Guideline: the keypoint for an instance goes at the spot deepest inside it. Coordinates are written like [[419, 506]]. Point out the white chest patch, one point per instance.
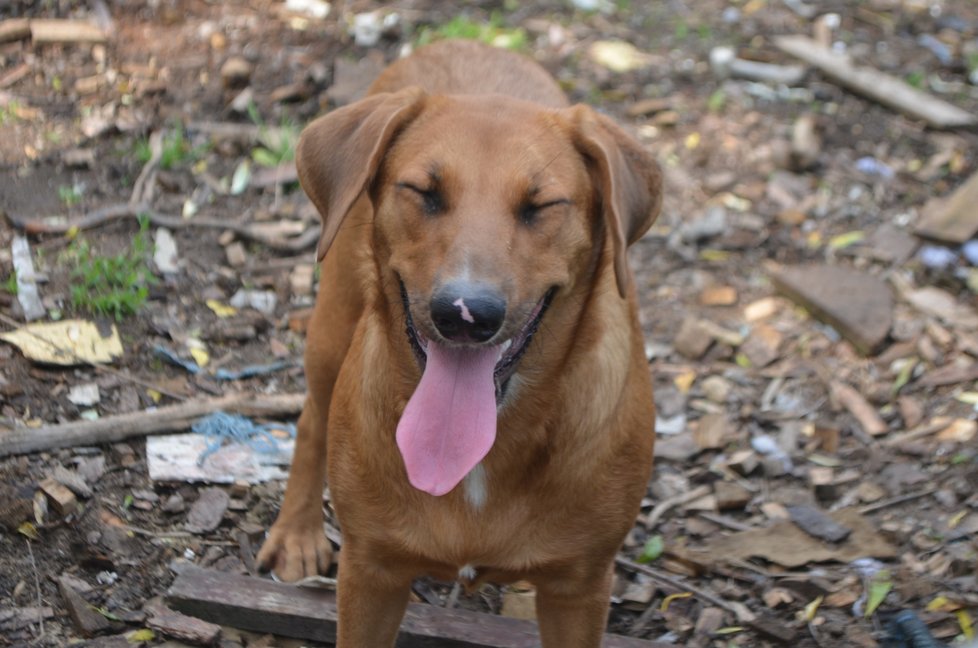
[[476, 487]]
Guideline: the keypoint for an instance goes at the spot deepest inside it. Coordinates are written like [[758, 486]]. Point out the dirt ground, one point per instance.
[[767, 411]]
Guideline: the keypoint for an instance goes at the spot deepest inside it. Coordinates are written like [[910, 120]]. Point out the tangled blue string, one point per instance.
[[221, 427]]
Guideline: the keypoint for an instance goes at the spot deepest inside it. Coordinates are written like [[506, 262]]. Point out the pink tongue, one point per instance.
[[449, 424]]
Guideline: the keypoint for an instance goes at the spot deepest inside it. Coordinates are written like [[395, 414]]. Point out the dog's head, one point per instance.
[[486, 208]]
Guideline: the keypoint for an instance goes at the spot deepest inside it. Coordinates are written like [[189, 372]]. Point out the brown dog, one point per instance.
[[474, 353]]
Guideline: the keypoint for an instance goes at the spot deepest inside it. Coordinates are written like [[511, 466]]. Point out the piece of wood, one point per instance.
[[14, 29], [64, 500], [952, 219], [731, 495], [264, 606], [880, 87], [172, 418], [858, 305], [183, 627], [45, 32], [867, 416]]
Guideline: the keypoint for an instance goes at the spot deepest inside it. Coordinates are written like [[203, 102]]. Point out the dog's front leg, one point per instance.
[[296, 545], [572, 609], [371, 599]]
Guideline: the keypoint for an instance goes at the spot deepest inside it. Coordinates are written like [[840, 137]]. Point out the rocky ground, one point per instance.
[[808, 296]]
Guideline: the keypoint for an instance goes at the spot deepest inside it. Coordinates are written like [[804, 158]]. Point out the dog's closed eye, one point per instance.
[[529, 211], [431, 199]]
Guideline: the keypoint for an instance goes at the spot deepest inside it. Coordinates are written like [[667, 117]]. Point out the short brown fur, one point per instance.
[[574, 441]]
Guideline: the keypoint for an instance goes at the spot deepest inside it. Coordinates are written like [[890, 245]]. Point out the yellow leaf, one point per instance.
[[814, 239], [812, 608], [955, 519], [845, 240], [221, 310], [967, 627], [684, 381], [672, 597], [141, 636], [66, 343], [714, 255], [968, 398], [154, 395], [693, 140], [729, 630], [28, 530], [942, 604], [200, 356]]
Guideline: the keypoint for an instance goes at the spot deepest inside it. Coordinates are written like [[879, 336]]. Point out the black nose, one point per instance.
[[464, 312]]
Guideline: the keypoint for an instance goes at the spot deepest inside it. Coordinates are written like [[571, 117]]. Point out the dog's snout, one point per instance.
[[467, 312]]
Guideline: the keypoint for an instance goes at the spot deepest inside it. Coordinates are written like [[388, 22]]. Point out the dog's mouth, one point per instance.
[[512, 349], [449, 424]]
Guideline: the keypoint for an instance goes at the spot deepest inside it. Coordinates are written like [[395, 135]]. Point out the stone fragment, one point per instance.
[[208, 511], [85, 619], [693, 339], [858, 305]]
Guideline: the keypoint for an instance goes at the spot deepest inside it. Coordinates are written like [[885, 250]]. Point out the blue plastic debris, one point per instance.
[[873, 167], [906, 630], [222, 374], [937, 257], [221, 427], [937, 48], [970, 251]]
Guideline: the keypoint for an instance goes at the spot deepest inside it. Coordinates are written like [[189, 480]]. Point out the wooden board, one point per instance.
[[265, 606], [953, 219], [887, 90], [65, 31]]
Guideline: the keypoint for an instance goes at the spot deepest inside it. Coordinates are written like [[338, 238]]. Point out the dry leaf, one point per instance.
[[66, 343]]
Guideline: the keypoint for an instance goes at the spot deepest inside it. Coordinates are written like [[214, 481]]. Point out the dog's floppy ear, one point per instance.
[[630, 181], [338, 154]]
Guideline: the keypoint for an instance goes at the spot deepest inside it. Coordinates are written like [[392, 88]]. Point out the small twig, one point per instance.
[[157, 534], [665, 506], [142, 189], [452, 599], [111, 212], [894, 501], [125, 375], [724, 521], [37, 585], [916, 433], [678, 583]]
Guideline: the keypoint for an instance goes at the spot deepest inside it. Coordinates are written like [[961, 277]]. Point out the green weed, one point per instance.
[[9, 284], [111, 285], [277, 144], [9, 112], [71, 195], [916, 79], [177, 149], [492, 32]]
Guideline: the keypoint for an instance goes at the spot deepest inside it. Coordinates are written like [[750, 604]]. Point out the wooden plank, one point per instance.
[[14, 29], [126, 426], [45, 32], [265, 606], [887, 90], [953, 219]]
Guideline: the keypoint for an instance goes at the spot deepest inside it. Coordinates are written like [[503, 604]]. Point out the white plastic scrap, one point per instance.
[[312, 8], [768, 446], [27, 294]]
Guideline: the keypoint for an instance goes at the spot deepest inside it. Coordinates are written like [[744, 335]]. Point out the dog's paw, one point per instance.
[[291, 552]]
